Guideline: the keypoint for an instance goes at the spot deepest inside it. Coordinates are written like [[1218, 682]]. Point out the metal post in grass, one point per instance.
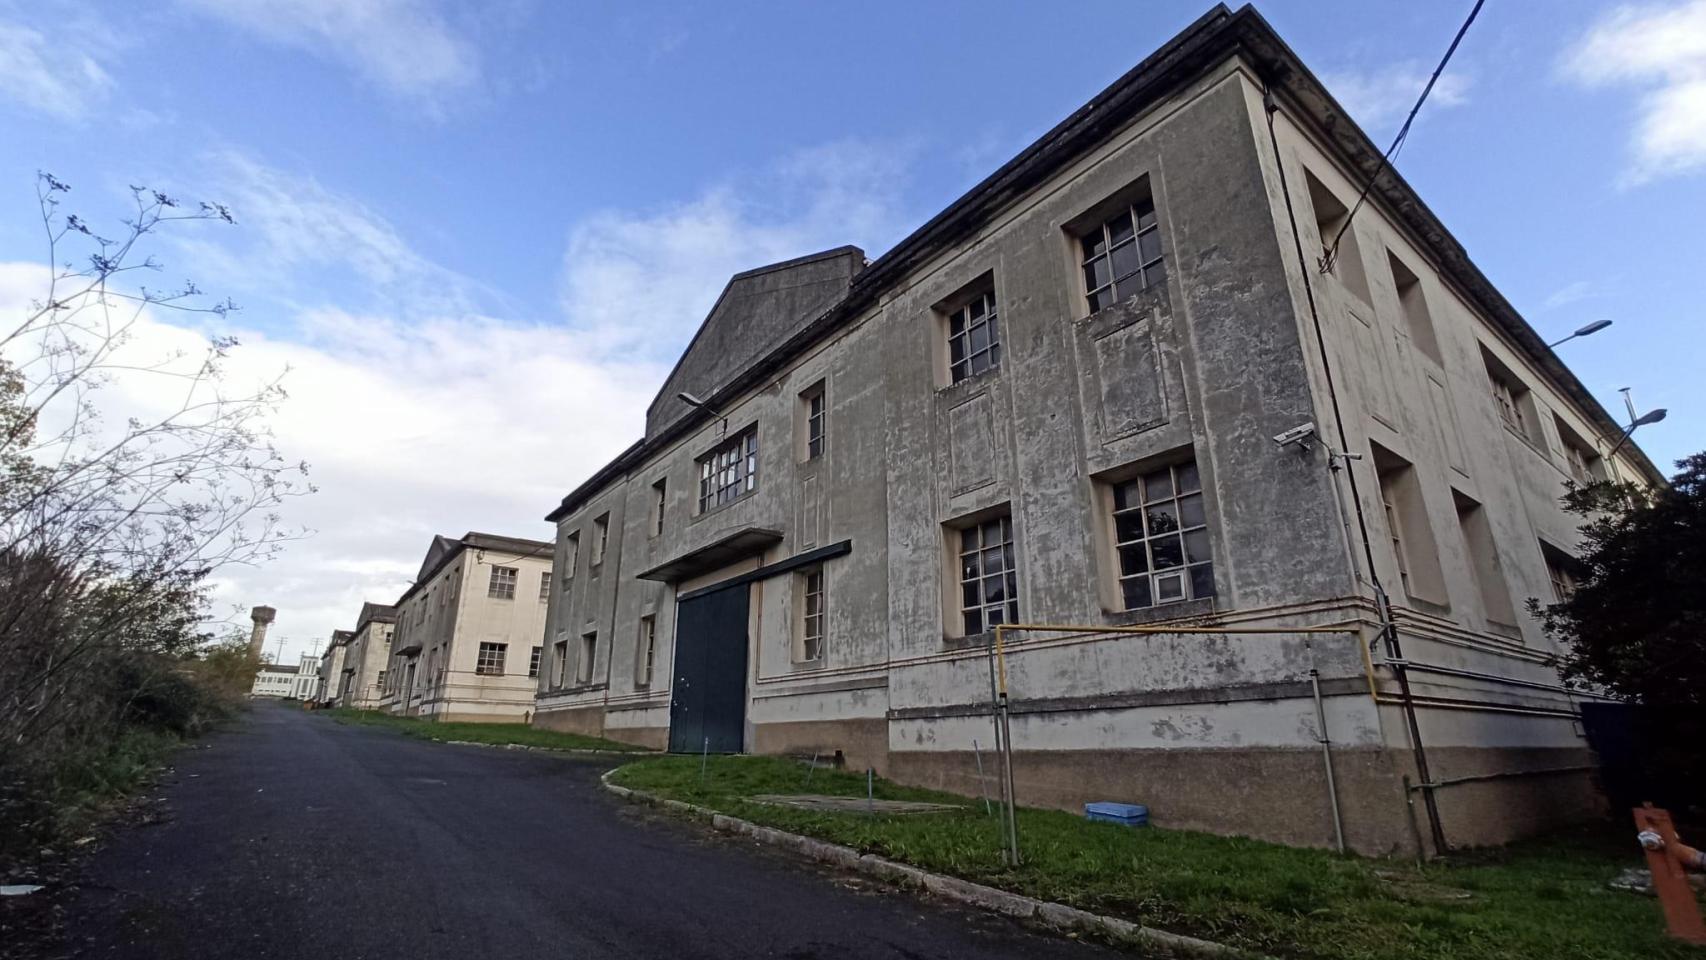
[[982, 783], [1007, 788], [870, 790], [704, 758], [811, 769]]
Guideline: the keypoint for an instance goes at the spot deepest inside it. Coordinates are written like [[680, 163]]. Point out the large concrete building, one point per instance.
[[1061, 401], [468, 633], [329, 668], [365, 658]]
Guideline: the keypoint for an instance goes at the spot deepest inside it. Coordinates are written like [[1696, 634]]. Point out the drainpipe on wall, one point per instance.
[[1388, 630]]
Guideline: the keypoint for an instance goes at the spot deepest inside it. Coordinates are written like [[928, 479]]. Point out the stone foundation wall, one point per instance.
[[863, 742], [586, 721]]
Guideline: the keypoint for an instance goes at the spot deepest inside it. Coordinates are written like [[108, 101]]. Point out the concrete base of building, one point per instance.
[[1482, 804], [1281, 795], [861, 743], [585, 721]]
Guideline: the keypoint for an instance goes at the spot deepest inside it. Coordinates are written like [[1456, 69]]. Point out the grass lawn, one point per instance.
[[1541, 899], [494, 733]]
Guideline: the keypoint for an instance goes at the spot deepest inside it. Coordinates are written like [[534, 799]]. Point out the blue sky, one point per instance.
[[479, 234]]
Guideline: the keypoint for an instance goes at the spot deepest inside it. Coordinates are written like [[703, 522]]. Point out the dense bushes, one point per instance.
[[97, 681]]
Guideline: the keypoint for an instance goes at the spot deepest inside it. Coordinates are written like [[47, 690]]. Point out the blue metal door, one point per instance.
[[707, 709]]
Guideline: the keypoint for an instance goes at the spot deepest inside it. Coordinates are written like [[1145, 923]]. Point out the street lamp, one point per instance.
[[1588, 330], [699, 404], [1651, 416]]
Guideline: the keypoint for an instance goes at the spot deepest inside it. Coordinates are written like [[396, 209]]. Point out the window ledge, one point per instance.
[[578, 688], [961, 389], [807, 666], [1161, 612], [1140, 306], [719, 508]]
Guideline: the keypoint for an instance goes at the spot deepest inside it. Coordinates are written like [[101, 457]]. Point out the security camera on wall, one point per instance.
[[1302, 435]]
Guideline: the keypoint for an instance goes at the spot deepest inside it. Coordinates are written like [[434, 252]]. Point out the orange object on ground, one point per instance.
[[1670, 881]]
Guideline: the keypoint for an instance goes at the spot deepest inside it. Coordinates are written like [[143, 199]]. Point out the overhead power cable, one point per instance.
[[1332, 253]]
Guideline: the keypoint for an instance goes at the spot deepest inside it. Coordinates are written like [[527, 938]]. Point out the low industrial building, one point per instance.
[[276, 680], [1119, 390], [469, 632]]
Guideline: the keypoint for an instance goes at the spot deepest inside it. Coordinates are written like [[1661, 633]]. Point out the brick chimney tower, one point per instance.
[[262, 616]]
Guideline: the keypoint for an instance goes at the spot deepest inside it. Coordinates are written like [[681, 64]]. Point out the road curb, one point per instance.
[[1056, 916]]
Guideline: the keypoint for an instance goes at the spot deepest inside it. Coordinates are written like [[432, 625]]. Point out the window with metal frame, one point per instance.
[[812, 616], [544, 586], [1162, 539], [974, 338], [589, 653], [989, 586], [814, 410], [660, 498], [559, 663], [600, 538], [647, 658], [533, 661], [1122, 255], [502, 583], [491, 659], [730, 471]]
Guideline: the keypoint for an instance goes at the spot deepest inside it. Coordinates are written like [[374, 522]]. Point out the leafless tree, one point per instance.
[[129, 472]]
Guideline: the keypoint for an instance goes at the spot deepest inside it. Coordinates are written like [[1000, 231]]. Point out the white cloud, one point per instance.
[[1659, 50], [1382, 96], [405, 47], [1568, 294], [633, 278], [420, 414], [59, 76]]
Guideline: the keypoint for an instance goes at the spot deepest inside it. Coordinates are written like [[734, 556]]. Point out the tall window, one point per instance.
[[1122, 256], [1331, 217], [1161, 536], [533, 661], [380, 680], [559, 663], [600, 538], [812, 408], [812, 613], [660, 497], [502, 584], [1510, 396], [1410, 528], [1584, 465], [989, 587], [974, 338], [1484, 561], [544, 586], [571, 555], [589, 651], [491, 659], [730, 471], [648, 652], [1561, 571], [1417, 318]]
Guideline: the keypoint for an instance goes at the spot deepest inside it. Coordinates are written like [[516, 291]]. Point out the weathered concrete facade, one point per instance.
[[329, 669], [467, 633], [831, 484], [363, 678]]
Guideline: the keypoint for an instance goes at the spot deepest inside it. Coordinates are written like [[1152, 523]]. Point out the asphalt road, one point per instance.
[[294, 836]]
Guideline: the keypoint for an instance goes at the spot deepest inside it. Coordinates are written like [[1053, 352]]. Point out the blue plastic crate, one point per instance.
[[1125, 814]]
